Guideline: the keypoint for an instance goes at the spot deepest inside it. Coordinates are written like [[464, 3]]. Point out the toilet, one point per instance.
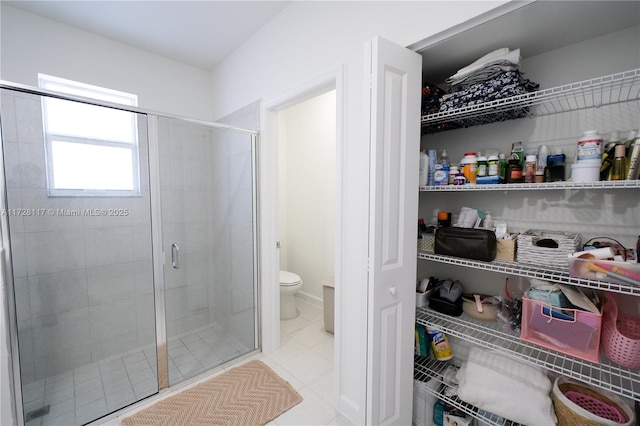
[[290, 283]]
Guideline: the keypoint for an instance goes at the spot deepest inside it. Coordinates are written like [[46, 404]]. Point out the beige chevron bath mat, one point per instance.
[[251, 394]]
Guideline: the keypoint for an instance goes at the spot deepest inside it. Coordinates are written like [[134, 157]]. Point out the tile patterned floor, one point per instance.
[[305, 360], [74, 397]]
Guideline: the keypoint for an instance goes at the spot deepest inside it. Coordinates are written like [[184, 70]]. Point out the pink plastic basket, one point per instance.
[[570, 331], [595, 406], [620, 337]]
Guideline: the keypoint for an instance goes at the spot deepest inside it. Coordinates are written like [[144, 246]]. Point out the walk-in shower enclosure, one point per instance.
[[129, 252]]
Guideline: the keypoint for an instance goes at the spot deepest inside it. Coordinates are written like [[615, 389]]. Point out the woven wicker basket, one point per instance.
[[531, 250], [594, 407], [426, 243]]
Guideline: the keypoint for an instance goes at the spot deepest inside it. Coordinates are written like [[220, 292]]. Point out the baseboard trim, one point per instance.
[[310, 298]]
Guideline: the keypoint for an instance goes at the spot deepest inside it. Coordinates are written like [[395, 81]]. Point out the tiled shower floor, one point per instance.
[[108, 385]]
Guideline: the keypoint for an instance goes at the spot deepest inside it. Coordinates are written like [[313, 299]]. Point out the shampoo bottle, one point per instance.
[[541, 164], [619, 164]]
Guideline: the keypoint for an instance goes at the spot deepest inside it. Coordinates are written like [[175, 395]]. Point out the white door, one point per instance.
[[394, 158]]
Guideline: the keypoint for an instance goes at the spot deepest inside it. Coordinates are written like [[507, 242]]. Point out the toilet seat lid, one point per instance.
[[289, 278]]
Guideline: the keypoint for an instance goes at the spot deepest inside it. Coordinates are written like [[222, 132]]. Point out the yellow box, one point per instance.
[[506, 249]]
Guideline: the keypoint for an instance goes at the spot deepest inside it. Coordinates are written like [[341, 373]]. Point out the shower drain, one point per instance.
[[42, 411]]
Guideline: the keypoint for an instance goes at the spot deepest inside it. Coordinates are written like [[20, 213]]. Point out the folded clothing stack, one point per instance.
[[494, 76], [504, 85], [485, 68]]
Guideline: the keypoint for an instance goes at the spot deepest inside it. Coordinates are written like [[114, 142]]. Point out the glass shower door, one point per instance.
[[208, 228], [78, 224]]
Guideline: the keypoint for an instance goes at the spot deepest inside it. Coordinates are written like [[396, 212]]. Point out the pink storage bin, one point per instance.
[[570, 331], [620, 335]]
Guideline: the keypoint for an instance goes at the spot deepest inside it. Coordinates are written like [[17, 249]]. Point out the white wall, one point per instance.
[[308, 38], [305, 41], [307, 164], [31, 44]]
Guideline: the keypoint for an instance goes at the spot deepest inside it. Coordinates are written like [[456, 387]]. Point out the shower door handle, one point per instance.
[[175, 256]]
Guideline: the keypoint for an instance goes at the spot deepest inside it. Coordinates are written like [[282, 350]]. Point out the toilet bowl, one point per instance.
[[290, 283]]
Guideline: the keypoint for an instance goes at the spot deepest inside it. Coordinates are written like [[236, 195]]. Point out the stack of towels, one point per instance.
[[494, 76]]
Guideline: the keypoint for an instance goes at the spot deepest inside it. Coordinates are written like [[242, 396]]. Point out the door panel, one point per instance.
[[81, 267], [394, 145], [208, 235]]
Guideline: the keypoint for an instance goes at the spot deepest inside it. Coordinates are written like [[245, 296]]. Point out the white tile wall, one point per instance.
[[76, 278]]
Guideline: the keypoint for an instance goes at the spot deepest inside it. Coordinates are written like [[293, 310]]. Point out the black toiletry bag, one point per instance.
[[470, 243]]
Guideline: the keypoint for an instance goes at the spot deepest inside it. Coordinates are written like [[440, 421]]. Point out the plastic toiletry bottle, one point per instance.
[[444, 158], [619, 165], [530, 169], [555, 167], [433, 159], [608, 154], [541, 163], [628, 142], [589, 146], [488, 220], [424, 168], [517, 152], [513, 173], [441, 174], [634, 159], [453, 171], [470, 169], [493, 165], [502, 167], [459, 179], [483, 166]]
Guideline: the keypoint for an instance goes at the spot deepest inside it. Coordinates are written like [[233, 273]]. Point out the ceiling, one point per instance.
[[199, 33], [535, 28], [202, 33]]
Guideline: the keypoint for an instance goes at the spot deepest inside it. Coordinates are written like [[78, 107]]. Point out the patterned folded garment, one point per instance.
[[505, 85], [480, 76]]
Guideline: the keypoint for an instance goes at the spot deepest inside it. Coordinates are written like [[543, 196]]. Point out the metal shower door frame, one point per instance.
[[6, 265]]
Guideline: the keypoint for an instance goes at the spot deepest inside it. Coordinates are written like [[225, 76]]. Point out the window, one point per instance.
[[91, 150]]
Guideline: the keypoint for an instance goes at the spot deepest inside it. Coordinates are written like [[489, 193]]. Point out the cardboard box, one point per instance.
[[506, 249]]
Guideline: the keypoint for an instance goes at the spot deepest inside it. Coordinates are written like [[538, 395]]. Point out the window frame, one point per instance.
[[73, 88]]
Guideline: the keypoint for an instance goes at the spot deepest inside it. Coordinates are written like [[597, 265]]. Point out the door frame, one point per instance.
[[269, 227]]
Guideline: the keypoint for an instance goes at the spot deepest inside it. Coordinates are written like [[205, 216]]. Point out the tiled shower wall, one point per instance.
[[83, 284]]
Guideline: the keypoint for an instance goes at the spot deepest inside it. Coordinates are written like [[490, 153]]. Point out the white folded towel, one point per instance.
[[498, 56], [506, 388]]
